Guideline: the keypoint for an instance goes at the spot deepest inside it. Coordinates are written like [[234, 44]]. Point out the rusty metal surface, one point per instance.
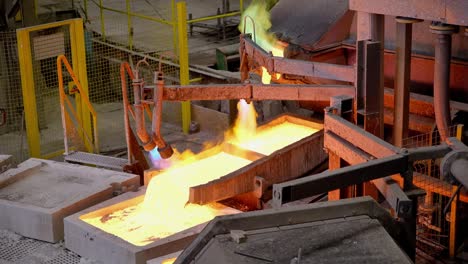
[[448, 11], [422, 105], [255, 92], [300, 92], [308, 25], [402, 83], [373, 112], [347, 151], [314, 69], [284, 164], [297, 67], [207, 92], [416, 122], [358, 137]]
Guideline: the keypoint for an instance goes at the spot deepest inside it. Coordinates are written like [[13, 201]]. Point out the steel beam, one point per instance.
[[300, 92], [314, 69], [334, 162], [358, 137], [387, 186], [425, 153], [207, 92], [296, 67], [336, 179], [348, 152], [372, 89], [255, 92], [422, 105]]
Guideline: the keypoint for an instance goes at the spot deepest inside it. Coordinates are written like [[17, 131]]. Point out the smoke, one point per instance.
[[259, 12]]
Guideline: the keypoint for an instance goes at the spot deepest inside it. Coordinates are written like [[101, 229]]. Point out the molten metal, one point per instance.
[[164, 210]]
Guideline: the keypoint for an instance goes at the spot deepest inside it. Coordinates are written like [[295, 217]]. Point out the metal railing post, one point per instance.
[[101, 15], [174, 26], [85, 6], [183, 60], [129, 24]]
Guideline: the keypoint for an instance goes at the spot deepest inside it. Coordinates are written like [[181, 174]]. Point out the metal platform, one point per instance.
[[346, 231], [97, 160]]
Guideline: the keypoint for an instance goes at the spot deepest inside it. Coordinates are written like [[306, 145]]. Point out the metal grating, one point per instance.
[[15, 251], [65, 259]]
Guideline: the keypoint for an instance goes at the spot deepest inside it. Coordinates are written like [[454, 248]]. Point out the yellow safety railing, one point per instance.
[[91, 139]]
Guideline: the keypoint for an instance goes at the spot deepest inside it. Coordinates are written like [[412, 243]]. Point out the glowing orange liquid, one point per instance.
[[164, 211], [269, 140]]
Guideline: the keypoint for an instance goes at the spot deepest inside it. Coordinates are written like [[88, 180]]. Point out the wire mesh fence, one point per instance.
[[113, 36], [433, 227], [115, 31], [12, 127]]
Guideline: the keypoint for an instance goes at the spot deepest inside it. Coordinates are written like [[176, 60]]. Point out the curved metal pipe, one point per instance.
[[164, 149], [137, 84], [126, 67], [442, 55]]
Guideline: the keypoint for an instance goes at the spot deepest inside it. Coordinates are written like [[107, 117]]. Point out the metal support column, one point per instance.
[[404, 30], [370, 84], [443, 47], [183, 61], [334, 162]]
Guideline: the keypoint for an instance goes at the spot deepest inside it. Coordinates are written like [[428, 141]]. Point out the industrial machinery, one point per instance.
[[358, 107], [354, 123]]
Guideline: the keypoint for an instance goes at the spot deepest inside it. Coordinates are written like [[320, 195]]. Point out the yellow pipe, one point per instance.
[[129, 25], [196, 79], [183, 61], [201, 19], [85, 3], [49, 25], [174, 25], [101, 15]]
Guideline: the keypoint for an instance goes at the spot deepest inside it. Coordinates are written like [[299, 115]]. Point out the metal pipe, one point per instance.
[[402, 79], [142, 134], [126, 67], [164, 149], [442, 50]]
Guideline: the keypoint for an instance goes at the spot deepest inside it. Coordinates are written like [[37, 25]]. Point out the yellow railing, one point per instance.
[[91, 139], [178, 22]]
